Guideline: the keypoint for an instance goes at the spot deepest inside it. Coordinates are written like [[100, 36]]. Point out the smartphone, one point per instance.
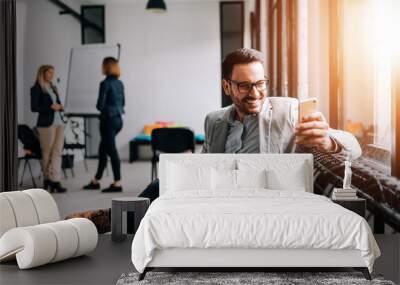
[[307, 107]]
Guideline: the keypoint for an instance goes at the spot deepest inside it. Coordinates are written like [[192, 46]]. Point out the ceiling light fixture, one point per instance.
[[156, 6]]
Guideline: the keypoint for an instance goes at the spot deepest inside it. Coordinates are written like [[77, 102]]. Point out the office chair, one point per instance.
[[169, 140], [32, 150], [70, 146]]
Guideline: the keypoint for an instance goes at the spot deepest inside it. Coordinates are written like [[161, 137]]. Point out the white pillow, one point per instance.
[[223, 179], [186, 161], [251, 178], [291, 178], [188, 177], [252, 164], [236, 179], [283, 174]]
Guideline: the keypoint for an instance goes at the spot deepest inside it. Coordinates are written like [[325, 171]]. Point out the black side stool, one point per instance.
[[131, 205], [357, 205]]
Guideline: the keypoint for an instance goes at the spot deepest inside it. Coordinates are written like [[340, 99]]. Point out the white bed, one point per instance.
[[250, 210]]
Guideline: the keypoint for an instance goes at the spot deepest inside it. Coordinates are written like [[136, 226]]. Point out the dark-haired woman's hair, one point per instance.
[[240, 56], [111, 67]]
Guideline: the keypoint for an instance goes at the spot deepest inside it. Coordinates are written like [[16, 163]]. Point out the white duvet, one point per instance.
[[250, 219]]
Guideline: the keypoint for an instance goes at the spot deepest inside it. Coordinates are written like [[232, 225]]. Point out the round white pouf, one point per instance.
[[32, 246], [87, 233], [26, 208], [7, 216], [23, 208], [46, 207]]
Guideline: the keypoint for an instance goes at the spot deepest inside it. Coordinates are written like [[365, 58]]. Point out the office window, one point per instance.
[[364, 102], [92, 35], [283, 62], [95, 15], [232, 32]]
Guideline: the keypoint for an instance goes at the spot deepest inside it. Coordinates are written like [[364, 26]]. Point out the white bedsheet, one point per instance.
[[250, 219]]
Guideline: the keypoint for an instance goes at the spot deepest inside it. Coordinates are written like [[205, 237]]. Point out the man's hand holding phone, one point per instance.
[[312, 128]]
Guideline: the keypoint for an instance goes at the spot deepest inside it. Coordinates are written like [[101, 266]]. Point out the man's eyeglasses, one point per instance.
[[246, 87]]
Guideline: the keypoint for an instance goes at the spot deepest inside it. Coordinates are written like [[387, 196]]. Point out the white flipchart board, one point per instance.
[[85, 76]]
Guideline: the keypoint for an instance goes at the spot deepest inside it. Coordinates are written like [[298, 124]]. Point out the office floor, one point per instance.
[[135, 177], [110, 260], [102, 266]]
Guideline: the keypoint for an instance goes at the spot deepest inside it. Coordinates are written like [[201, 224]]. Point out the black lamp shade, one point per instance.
[[158, 5]]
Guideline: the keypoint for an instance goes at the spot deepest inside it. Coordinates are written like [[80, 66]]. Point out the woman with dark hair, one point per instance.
[[50, 125], [111, 104]]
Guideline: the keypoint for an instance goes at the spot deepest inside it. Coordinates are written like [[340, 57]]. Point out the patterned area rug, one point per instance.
[[242, 278]]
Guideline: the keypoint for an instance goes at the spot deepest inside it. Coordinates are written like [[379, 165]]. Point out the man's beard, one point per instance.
[[242, 105]]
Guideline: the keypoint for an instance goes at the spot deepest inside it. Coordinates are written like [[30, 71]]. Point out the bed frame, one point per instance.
[[247, 259]]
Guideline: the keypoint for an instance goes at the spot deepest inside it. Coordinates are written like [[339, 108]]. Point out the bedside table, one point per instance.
[[136, 205], [357, 205]]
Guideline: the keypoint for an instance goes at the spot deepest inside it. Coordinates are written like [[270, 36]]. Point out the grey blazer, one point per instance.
[[277, 121]]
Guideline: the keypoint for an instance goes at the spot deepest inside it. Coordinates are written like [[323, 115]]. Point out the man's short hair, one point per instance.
[[240, 56]]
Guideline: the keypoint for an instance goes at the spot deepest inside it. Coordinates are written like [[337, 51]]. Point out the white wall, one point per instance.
[[170, 62], [43, 37], [46, 38]]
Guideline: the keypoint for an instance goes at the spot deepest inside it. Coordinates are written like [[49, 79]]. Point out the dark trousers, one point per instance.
[[109, 128], [152, 191]]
